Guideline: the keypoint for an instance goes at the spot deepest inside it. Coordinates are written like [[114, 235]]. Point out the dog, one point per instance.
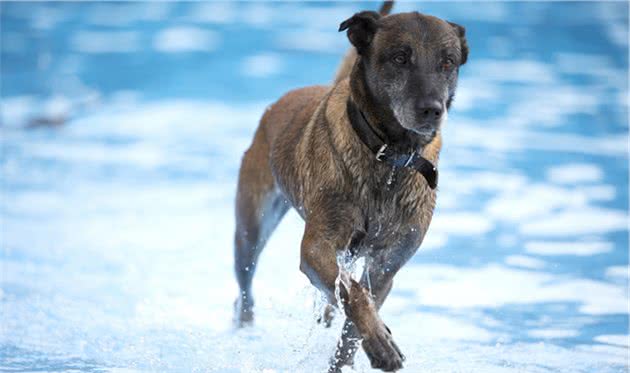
[[357, 160]]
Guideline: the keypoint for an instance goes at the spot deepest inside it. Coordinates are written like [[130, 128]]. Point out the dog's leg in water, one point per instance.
[[350, 338], [327, 315], [378, 277], [259, 209], [320, 245]]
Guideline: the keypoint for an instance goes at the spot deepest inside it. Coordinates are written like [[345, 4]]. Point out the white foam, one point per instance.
[[568, 248], [524, 262], [621, 272], [262, 65], [614, 339], [474, 135], [575, 173], [201, 118], [553, 333], [185, 39], [16, 111], [600, 67], [598, 192], [496, 286], [433, 240], [483, 181], [57, 107], [522, 71], [472, 92], [533, 201], [535, 111], [437, 327], [586, 220]]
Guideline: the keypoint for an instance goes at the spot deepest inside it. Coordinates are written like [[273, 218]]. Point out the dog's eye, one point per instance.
[[400, 58], [448, 64]]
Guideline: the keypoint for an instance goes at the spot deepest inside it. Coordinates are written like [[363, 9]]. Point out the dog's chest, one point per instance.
[[397, 209]]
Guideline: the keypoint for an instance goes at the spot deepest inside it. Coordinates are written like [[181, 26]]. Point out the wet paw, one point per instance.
[[243, 313], [327, 316], [382, 351]]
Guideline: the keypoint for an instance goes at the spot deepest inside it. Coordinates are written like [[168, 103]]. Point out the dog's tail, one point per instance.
[[386, 8], [351, 56]]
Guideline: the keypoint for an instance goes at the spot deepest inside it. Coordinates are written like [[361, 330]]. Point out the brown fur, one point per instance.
[[306, 155]]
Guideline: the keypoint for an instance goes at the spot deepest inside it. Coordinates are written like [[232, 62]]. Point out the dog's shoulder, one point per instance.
[[292, 111], [295, 102], [315, 153], [337, 101]]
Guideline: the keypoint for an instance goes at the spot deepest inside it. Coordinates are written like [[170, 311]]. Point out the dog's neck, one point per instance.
[[384, 150]]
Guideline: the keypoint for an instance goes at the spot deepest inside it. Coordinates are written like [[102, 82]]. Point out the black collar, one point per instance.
[[387, 152]]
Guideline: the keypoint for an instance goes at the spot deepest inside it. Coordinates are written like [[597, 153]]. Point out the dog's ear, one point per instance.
[[461, 33], [361, 28]]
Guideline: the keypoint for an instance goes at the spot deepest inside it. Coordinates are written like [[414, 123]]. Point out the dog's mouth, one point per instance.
[[426, 132]]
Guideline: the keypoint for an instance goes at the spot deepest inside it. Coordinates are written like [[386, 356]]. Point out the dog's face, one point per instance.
[[410, 64]]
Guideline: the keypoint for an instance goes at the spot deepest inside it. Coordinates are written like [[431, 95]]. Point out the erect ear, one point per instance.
[[461, 33], [361, 28]]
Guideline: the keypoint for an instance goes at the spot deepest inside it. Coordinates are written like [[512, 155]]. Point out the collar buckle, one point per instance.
[[410, 159], [381, 153]]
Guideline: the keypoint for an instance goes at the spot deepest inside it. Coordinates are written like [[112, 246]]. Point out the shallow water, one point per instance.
[[117, 226]]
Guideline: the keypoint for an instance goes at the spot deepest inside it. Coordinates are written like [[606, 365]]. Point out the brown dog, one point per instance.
[[356, 160]]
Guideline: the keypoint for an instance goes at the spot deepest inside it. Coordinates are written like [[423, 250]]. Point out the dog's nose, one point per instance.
[[430, 110]]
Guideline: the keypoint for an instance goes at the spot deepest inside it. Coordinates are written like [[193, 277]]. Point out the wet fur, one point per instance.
[[306, 155]]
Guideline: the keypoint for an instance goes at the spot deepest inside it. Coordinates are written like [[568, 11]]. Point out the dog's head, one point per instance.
[[407, 68]]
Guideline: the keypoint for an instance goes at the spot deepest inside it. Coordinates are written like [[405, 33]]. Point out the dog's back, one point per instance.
[[292, 111]]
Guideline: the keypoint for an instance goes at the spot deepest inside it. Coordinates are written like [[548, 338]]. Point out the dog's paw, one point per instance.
[[243, 313], [327, 316], [382, 351]]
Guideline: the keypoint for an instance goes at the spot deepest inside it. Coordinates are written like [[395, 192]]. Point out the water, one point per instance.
[[117, 225]]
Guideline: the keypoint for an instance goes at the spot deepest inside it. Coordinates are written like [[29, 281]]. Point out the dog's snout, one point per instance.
[[430, 110]]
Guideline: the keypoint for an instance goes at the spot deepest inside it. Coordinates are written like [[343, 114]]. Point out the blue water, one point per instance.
[[117, 224]]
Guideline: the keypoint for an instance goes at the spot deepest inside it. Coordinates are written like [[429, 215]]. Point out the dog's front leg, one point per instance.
[[320, 244], [378, 276], [350, 338]]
